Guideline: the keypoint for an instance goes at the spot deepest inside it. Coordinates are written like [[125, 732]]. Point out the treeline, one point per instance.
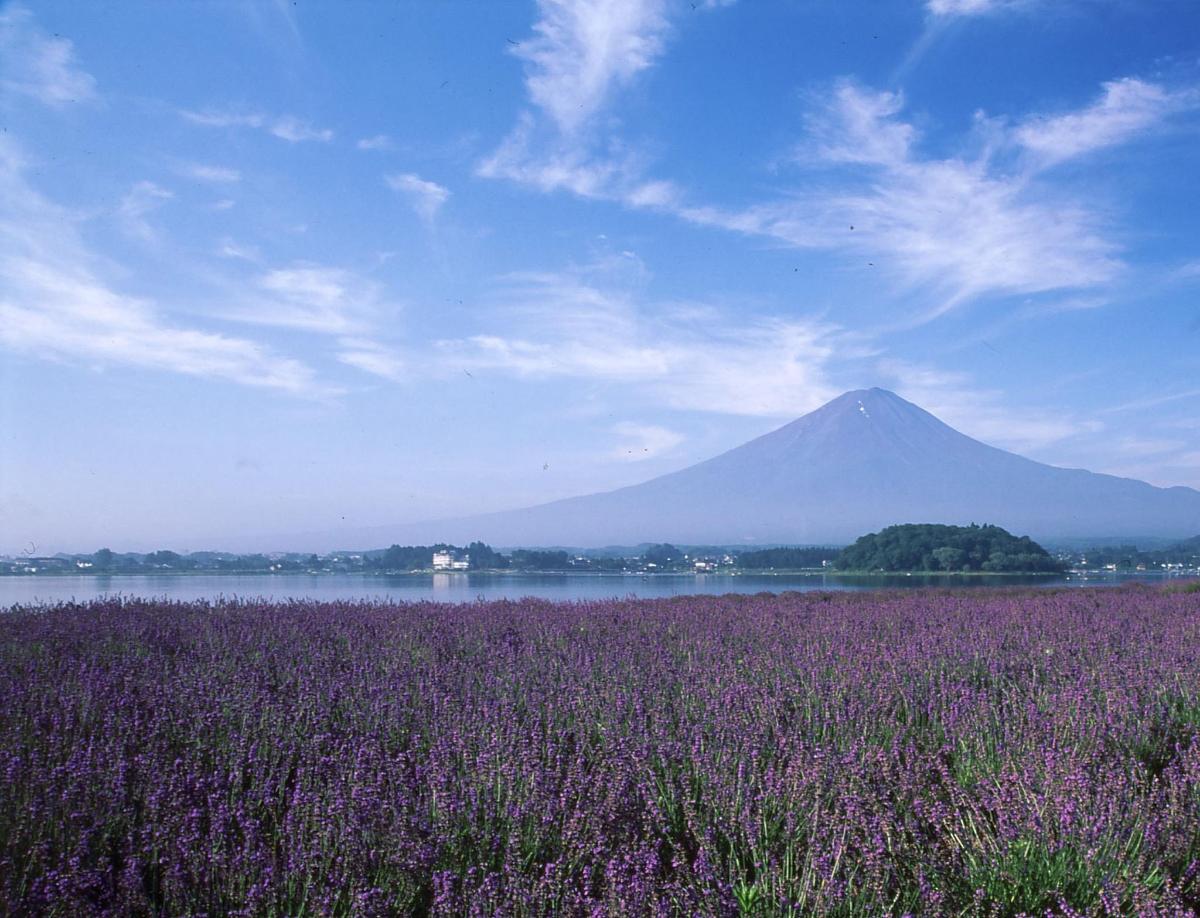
[[1130, 557], [911, 547], [960, 549], [407, 557], [478, 556], [106, 561], [786, 558]]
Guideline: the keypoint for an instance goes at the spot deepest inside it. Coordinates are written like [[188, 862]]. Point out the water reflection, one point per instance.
[[464, 587]]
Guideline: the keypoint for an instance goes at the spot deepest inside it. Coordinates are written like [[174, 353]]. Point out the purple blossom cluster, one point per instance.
[[926, 753]]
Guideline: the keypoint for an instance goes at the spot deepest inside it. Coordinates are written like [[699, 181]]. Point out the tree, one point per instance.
[[949, 559], [407, 557], [662, 555], [525, 559], [927, 546], [484, 557], [164, 558], [785, 558]]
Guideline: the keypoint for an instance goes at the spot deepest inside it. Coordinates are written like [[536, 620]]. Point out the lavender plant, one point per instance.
[[922, 753]]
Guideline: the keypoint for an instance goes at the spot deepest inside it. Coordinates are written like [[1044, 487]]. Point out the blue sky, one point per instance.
[[283, 267]]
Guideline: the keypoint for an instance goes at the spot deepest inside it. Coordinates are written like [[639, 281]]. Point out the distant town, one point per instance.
[[910, 548], [476, 557]]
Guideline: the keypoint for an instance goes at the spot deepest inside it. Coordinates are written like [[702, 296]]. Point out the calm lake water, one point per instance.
[[469, 587]]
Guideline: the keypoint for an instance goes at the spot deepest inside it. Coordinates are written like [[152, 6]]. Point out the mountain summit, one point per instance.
[[865, 460]]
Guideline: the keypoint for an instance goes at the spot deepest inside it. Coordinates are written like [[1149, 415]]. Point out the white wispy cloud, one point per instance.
[[861, 127], [958, 227], [79, 318], [142, 200], [285, 127], [559, 165], [581, 54], [523, 159], [310, 297], [295, 130], [378, 142], [953, 8], [425, 197], [38, 65], [1166, 463], [216, 119], [228, 248], [54, 305], [983, 413], [1153, 401], [373, 357], [568, 325], [1138, 446], [221, 175], [643, 441], [955, 228], [1189, 462], [944, 15], [1125, 109], [582, 50], [321, 300], [335, 302]]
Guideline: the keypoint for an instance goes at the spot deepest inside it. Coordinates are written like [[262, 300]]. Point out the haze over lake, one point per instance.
[[470, 587]]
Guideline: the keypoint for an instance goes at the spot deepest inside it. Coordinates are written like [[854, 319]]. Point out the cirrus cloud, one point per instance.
[[285, 127], [690, 357], [582, 50], [38, 65], [1125, 108], [425, 197], [54, 305]]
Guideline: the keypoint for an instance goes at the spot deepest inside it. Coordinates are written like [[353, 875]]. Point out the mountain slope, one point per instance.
[[865, 460]]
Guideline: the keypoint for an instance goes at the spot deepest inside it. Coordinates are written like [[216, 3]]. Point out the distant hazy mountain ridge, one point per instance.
[[864, 461]]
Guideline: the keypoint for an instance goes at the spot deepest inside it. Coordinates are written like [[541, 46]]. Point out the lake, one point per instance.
[[468, 587]]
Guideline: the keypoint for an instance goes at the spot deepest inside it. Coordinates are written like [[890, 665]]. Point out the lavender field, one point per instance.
[[930, 753]]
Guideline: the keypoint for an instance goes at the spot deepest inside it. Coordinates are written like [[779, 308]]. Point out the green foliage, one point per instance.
[[1031, 876], [949, 559], [244, 563], [420, 557], [168, 559], [605, 563], [485, 558], [785, 558], [663, 555], [1129, 557], [932, 547], [525, 559], [406, 558]]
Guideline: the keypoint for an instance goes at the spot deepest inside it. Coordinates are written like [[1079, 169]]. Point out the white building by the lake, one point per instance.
[[448, 561]]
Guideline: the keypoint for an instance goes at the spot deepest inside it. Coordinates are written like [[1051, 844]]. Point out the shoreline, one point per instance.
[[742, 572]]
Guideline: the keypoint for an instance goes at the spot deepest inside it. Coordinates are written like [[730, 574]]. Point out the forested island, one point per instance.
[[949, 549]]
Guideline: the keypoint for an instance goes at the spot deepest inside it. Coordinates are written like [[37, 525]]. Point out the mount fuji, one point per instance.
[[865, 460]]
